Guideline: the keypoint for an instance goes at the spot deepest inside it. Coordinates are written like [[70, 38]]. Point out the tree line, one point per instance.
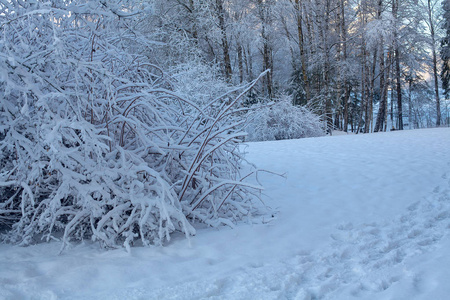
[[362, 64]]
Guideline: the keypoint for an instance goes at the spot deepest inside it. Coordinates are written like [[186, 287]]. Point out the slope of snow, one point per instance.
[[358, 217]]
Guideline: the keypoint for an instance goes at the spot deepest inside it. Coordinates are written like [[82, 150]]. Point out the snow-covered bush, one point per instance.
[[282, 120], [198, 82], [94, 140]]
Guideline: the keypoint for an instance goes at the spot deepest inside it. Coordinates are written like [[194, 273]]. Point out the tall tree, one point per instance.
[[395, 6], [383, 86], [335, 64], [301, 45], [431, 27], [343, 58], [220, 10], [264, 12], [445, 51]]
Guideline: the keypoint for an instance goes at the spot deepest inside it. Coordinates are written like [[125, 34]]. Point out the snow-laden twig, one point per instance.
[[95, 145]]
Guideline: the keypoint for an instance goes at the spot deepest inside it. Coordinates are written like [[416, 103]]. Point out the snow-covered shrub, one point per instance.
[[198, 82], [96, 143], [282, 120]]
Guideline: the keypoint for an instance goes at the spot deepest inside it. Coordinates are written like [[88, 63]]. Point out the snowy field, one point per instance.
[[358, 217]]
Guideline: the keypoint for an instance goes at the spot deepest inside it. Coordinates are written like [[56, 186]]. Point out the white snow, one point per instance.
[[358, 217]]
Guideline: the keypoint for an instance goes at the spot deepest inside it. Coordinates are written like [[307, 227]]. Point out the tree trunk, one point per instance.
[[383, 88], [266, 51], [267, 62], [225, 48], [249, 62], [344, 53], [392, 102], [240, 62], [410, 103], [397, 69], [326, 46], [301, 39], [363, 107], [363, 91], [194, 21], [433, 49], [371, 89], [346, 98]]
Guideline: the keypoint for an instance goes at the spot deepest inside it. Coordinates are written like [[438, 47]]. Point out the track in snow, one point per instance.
[[361, 261], [359, 217]]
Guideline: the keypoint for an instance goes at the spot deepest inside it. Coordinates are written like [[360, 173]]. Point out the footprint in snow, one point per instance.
[[361, 250]]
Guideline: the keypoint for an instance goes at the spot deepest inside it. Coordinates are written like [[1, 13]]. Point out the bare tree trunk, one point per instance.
[[388, 83], [339, 94], [346, 98], [392, 102], [433, 49], [344, 53], [194, 21], [267, 62], [399, 91], [363, 91], [367, 101], [301, 40], [240, 62], [225, 48], [371, 89], [363, 108], [249, 63], [264, 14], [397, 69], [410, 102], [383, 88], [326, 77]]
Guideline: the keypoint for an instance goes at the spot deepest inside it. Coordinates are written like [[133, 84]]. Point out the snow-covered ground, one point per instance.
[[358, 217]]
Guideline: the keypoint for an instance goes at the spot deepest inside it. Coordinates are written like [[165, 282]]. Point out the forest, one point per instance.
[[121, 121], [359, 64]]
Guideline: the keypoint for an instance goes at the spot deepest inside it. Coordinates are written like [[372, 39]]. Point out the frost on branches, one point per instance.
[[282, 120], [96, 143]]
